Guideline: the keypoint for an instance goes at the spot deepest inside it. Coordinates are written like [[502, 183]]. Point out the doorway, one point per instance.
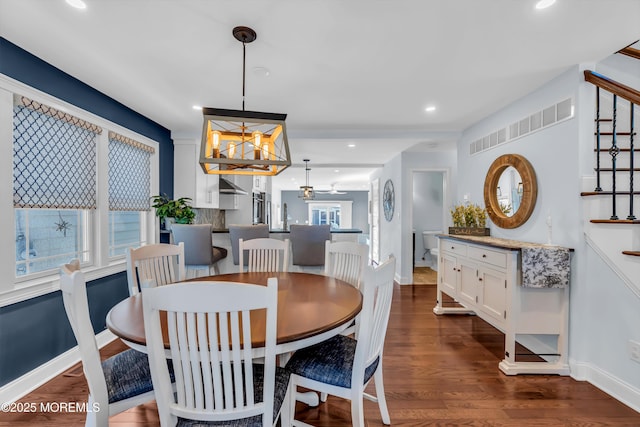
[[428, 220]]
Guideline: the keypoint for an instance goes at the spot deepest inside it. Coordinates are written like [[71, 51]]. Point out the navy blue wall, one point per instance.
[[35, 331]]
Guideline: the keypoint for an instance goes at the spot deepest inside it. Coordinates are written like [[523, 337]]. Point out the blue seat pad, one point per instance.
[[127, 375], [329, 362], [280, 390]]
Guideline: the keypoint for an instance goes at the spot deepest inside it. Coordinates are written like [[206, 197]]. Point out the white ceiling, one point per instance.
[[356, 71]]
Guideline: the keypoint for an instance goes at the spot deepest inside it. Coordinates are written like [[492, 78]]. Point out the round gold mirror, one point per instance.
[[510, 191]]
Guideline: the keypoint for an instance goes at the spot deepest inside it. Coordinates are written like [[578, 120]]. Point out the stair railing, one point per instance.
[[633, 96]]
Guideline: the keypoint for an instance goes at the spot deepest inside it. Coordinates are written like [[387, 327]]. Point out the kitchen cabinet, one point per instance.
[[259, 184], [485, 279], [190, 181]]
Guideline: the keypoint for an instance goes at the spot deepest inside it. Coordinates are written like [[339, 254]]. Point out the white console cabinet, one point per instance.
[[483, 275]]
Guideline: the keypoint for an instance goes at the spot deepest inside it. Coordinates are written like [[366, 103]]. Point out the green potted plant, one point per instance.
[[168, 210], [469, 219]]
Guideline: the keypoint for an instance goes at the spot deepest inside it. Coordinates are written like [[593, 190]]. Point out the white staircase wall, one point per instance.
[[609, 240]]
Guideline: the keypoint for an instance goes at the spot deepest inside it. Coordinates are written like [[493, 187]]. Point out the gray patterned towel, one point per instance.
[[545, 267]]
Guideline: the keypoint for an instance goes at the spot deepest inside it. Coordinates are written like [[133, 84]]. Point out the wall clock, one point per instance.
[[388, 200]]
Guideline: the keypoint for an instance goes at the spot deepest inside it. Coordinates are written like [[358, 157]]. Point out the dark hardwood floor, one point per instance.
[[438, 370]]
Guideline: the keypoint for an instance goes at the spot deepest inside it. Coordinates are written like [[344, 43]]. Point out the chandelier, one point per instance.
[[243, 142], [306, 191]]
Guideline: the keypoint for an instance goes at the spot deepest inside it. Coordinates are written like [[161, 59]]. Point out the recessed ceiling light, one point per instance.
[[78, 4], [430, 109], [543, 4], [351, 145], [337, 170], [197, 107]]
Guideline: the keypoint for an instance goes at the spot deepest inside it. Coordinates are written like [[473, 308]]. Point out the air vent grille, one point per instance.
[[549, 116]]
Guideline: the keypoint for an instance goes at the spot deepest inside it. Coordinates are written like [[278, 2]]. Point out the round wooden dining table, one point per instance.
[[311, 309]]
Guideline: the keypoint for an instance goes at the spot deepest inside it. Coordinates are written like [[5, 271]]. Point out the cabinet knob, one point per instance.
[[480, 279], [484, 255], [453, 247]]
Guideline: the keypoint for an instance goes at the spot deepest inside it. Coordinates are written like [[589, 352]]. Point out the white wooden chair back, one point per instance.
[[74, 296], [346, 261], [154, 265], [312, 369], [210, 341], [264, 254], [377, 293]]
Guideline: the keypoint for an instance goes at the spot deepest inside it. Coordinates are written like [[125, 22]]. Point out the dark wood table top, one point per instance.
[[311, 308]]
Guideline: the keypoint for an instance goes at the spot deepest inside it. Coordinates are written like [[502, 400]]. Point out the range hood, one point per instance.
[[228, 187]]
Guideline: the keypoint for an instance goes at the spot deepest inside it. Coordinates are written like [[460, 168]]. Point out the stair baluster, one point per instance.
[[631, 162], [598, 187], [613, 152]]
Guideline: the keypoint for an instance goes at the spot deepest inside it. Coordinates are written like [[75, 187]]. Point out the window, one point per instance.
[[76, 186], [336, 214], [326, 214], [129, 191], [47, 238], [54, 185]]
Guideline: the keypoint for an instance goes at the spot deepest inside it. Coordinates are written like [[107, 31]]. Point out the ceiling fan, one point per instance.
[[332, 191]]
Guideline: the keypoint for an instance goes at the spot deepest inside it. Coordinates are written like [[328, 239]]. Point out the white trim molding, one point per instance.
[[30, 381]]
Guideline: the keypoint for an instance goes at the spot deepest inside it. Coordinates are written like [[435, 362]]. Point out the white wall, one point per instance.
[[604, 313], [396, 235], [390, 231]]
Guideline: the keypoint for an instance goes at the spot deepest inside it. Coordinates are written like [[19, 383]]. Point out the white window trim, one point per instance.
[[12, 289]]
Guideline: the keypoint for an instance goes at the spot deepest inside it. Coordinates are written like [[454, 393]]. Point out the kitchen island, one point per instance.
[[220, 237]]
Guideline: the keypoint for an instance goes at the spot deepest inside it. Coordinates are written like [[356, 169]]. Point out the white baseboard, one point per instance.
[[402, 280], [615, 387], [25, 384]]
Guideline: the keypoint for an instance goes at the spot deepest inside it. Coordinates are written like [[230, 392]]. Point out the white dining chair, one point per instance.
[[154, 265], [245, 232], [345, 261], [270, 255], [343, 366], [210, 342], [121, 382]]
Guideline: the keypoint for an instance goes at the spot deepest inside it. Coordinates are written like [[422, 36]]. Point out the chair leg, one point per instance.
[[97, 418], [382, 399], [292, 392], [285, 410], [357, 411], [323, 397]]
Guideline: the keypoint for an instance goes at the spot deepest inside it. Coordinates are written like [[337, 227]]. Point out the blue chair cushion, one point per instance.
[[127, 374], [280, 390], [329, 362]]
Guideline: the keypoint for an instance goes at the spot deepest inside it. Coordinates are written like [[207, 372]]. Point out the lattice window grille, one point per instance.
[[54, 158], [129, 174]]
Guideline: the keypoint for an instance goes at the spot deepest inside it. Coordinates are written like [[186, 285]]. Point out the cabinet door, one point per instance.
[[190, 181], [184, 181], [493, 293], [228, 201], [448, 271], [468, 290], [260, 183]]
